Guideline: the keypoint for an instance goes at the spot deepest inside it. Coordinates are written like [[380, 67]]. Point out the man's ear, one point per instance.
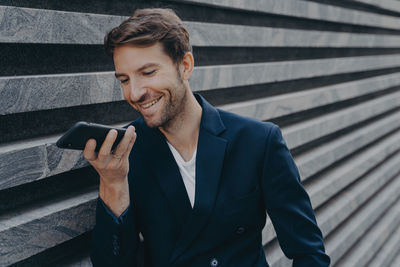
[[187, 66]]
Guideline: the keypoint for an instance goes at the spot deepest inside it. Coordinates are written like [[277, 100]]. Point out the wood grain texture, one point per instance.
[[32, 231], [310, 10], [327, 185], [392, 5], [23, 94], [26, 25]]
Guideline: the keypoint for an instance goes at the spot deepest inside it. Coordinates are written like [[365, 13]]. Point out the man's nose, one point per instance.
[[137, 91]]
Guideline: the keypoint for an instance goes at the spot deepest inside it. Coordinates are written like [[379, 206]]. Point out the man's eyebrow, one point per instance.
[[145, 66], [117, 75]]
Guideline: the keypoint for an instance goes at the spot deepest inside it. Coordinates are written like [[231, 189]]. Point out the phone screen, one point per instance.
[[77, 136]]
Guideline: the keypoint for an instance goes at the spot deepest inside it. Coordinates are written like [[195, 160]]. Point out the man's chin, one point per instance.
[[156, 123], [151, 123]]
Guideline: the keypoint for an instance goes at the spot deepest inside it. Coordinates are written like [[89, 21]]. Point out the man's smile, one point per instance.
[[151, 103]]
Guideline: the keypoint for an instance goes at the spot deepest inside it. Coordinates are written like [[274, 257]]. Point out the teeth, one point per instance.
[[151, 103]]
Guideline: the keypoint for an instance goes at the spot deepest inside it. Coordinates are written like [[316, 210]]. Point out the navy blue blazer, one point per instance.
[[243, 169]]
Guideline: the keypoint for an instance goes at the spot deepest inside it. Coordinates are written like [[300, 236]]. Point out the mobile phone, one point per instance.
[[77, 136]]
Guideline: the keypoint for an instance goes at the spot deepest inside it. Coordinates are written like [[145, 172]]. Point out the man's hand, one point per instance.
[[113, 168]]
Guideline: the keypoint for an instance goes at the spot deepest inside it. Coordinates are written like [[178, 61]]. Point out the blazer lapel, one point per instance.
[[209, 163], [169, 177]]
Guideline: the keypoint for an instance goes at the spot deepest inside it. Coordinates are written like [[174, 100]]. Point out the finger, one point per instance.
[[123, 145], [105, 149], [131, 143], [89, 151]]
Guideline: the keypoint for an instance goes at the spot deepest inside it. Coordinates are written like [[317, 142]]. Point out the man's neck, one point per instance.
[[183, 131]]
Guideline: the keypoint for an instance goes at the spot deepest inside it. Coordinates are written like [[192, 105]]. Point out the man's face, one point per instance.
[[150, 82]]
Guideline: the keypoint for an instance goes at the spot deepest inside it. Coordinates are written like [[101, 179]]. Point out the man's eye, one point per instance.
[[149, 72], [124, 81]]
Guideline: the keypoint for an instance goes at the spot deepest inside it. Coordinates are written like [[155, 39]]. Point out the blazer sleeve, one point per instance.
[[115, 241], [289, 207]]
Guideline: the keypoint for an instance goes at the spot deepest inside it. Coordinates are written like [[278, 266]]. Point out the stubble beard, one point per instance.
[[174, 108]]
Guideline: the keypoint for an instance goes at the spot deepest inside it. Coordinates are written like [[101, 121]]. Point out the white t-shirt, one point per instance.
[[188, 171]]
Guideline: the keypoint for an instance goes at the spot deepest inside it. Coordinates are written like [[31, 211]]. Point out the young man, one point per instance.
[[193, 180]]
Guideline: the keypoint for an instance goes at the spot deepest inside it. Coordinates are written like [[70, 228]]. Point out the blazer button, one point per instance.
[[115, 240], [214, 262], [115, 244], [240, 230], [116, 251]]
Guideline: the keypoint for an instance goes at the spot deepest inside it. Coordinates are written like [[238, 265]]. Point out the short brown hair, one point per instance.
[[148, 26]]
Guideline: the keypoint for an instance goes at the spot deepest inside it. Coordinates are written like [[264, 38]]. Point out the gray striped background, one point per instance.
[[326, 71]]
